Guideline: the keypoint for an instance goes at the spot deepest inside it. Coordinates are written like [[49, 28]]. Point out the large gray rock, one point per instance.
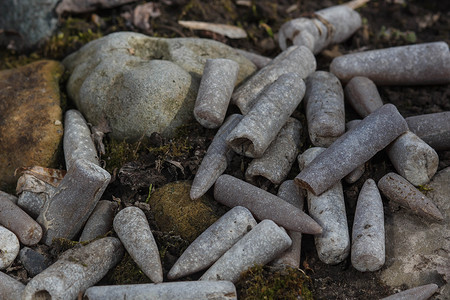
[[142, 84], [31, 20], [417, 250]]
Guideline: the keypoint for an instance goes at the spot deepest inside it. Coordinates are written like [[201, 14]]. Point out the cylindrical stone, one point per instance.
[[133, 230], [295, 59], [214, 94], [329, 26], [368, 243], [10, 288], [413, 159], [10, 197], [181, 290], [433, 129], [398, 189], [291, 193], [77, 141], [76, 270], [354, 175], [279, 157], [100, 221], [213, 242], [231, 192], [328, 210], [259, 60], [27, 230], [262, 244], [65, 213], [363, 96], [32, 261], [422, 292], [216, 159], [9, 247], [325, 111], [352, 149], [421, 64], [260, 126]]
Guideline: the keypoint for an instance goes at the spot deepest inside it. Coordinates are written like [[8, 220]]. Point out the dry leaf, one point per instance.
[[142, 13], [50, 176], [233, 32], [99, 131]]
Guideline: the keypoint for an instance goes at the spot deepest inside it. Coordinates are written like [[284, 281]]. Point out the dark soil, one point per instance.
[[386, 24]]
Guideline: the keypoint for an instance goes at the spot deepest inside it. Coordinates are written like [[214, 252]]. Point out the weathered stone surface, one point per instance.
[[422, 292], [134, 232], [9, 247], [33, 261], [433, 129], [10, 288], [417, 249], [175, 211], [32, 20], [31, 117], [181, 290], [100, 221], [75, 270], [153, 79]]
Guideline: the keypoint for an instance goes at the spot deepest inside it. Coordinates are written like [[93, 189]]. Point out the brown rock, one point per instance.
[[175, 211], [30, 127]]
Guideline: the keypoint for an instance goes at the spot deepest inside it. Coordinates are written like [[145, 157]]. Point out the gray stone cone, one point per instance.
[[325, 111], [363, 96], [328, 210], [253, 135], [214, 94], [10, 288], [65, 213], [100, 221], [423, 292], [77, 141], [295, 59], [76, 270], [132, 227], [417, 249], [331, 25], [216, 159], [433, 129], [368, 238], [420, 64], [27, 230], [413, 159], [9, 247], [262, 244], [279, 157], [352, 149], [231, 192], [213, 242], [181, 290], [291, 193], [398, 189]]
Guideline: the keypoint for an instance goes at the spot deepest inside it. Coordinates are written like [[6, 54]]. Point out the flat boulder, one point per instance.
[[142, 84], [417, 250], [31, 127]]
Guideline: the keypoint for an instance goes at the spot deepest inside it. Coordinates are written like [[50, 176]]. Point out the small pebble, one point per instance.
[[422, 292], [33, 194], [134, 232], [368, 241], [75, 270], [213, 242], [262, 244], [9, 247], [398, 189], [232, 191], [32, 261], [100, 221], [181, 290], [10, 288]]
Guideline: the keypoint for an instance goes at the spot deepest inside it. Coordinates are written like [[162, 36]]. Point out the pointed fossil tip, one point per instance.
[[173, 273], [195, 193]]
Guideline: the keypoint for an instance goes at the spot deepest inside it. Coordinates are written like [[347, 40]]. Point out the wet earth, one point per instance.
[[155, 161]]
